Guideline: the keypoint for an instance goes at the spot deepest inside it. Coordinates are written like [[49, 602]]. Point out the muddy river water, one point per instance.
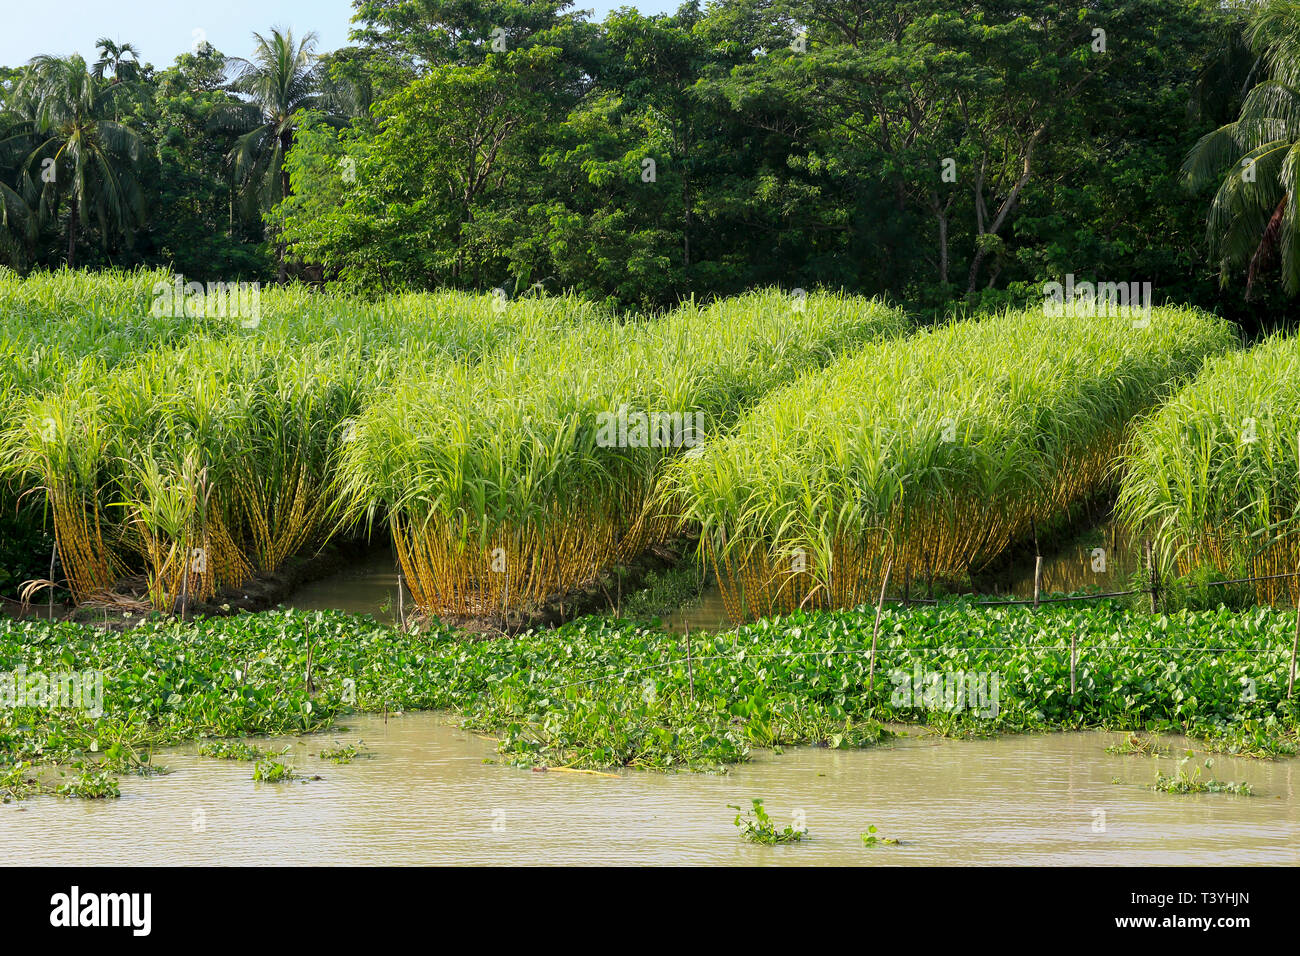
[[428, 792], [425, 795]]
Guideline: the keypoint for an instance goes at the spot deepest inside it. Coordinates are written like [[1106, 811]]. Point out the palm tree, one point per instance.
[[75, 150], [1254, 220], [17, 220], [113, 59], [282, 78]]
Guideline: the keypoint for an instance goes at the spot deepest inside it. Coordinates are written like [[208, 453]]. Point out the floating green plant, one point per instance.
[[756, 826], [230, 750], [1136, 746], [1182, 782], [273, 771], [345, 753], [870, 838]]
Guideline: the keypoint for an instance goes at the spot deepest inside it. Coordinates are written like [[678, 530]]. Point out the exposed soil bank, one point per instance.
[[262, 592]]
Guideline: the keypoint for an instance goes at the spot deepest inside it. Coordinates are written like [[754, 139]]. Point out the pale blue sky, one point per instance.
[[163, 29]]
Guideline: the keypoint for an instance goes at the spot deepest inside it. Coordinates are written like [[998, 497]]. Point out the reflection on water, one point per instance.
[[368, 586], [426, 796], [705, 613], [1102, 559]]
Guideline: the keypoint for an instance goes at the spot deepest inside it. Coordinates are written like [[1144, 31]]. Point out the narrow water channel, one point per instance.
[[428, 796], [1100, 559]]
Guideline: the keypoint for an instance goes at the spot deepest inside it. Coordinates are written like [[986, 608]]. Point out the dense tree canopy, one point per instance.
[[943, 153]]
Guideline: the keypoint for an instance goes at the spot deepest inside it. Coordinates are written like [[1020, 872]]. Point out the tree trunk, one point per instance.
[[73, 222], [941, 216], [286, 190]]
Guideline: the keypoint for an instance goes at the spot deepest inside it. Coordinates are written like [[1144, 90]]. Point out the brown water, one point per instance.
[[426, 796], [370, 586], [1101, 559]]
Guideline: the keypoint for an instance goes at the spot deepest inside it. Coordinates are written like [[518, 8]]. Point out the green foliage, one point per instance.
[[600, 694], [503, 143], [756, 826], [870, 838], [1182, 782]]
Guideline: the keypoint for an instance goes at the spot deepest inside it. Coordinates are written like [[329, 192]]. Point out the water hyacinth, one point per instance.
[[933, 455]]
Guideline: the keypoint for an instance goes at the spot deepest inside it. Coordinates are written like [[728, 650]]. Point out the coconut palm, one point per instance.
[[75, 151], [113, 58], [15, 216], [283, 77], [1254, 221]]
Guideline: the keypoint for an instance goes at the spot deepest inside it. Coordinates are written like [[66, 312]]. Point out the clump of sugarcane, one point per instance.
[[198, 449], [1213, 476], [517, 483], [935, 455]]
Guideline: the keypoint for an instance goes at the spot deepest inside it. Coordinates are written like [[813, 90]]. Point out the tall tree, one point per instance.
[[1254, 222], [76, 151], [283, 78], [121, 60]]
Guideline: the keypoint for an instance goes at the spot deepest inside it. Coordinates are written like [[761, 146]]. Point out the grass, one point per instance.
[[934, 455], [1212, 474]]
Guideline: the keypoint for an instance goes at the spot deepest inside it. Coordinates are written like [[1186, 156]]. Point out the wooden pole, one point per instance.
[[1038, 563], [1295, 640], [1151, 571], [690, 668], [401, 603], [1072, 660], [875, 631], [1295, 643], [54, 552]]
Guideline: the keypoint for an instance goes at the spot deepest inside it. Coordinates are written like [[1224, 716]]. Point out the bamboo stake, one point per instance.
[[401, 603], [1295, 640], [1295, 643], [1151, 571], [54, 551], [690, 668], [1038, 578], [1072, 660], [875, 631]]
